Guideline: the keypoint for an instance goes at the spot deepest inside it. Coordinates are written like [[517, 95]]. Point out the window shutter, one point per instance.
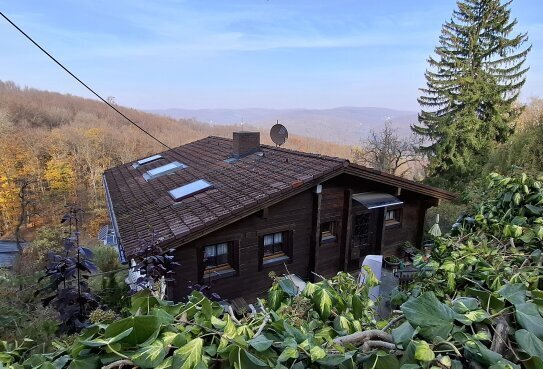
[[290, 238], [260, 252], [235, 256]]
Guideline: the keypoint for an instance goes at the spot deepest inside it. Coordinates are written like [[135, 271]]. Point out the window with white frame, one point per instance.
[[275, 244], [217, 256], [393, 216]]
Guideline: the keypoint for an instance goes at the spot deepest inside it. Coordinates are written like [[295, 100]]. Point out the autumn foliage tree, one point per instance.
[[60, 145]]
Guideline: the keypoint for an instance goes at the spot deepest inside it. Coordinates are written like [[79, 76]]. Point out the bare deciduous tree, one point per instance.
[[387, 151]]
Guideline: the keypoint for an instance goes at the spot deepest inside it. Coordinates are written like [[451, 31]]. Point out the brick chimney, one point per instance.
[[245, 143]]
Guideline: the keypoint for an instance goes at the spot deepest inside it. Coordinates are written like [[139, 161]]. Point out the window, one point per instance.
[[275, 247], [393, 217], [189, 189], [216, 256], [328, 231], [149, 159], [163, 170], [219, 260]]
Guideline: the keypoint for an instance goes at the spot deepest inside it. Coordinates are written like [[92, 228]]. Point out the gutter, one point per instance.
[[109, 204]]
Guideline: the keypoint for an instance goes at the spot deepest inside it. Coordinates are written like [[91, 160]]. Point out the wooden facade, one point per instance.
[[301, 219], [262, 209]]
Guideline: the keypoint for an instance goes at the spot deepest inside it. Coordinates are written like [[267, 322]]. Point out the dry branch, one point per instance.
[[393, 321], [370, 345], [120, 364]]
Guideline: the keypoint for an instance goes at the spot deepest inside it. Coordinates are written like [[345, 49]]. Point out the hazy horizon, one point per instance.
[[241, 54]]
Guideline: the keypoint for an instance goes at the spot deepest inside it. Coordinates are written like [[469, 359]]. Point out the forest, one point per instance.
[[55, 148]]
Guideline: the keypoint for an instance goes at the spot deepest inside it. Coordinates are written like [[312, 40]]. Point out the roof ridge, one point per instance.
[[306, 154]]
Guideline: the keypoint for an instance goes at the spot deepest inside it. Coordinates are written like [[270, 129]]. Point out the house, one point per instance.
[[8, 253], [235, 210]]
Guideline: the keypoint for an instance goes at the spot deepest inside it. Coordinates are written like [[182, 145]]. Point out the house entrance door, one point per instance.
[[363, 235]]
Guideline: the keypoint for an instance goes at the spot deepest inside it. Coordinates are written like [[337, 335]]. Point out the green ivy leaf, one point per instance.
[[92, 362], [288, 286], [423, 352], [464, 304], [381, 360], [536, 210], [166, 364], [432, 317], [310, 289], [250, 361], [323, 303], [190, 355], [144, 327], [334, 360], [217, 323], [342, 325], [317, 353], [173, 339], [260, 343], [482, 336], [288, 353], [358, 307], [514, 293], [529, 343], [529, 318], [476, 316], [448, 266], [207, 309], [275, 298], [142, 302], [487, 299], [478, 352], [403, 334], [61, 361], [99, 342], [230, 329], [150, 356]]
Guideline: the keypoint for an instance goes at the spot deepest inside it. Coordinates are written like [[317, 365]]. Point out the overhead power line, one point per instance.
[[83, 83]]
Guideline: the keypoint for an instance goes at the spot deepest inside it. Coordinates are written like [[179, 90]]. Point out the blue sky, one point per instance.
[[239, 54]]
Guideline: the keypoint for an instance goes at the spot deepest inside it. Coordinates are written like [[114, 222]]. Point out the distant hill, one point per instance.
[[61, 144], [344, 125]]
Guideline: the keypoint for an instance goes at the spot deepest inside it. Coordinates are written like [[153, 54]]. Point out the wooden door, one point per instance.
[[363, 235]]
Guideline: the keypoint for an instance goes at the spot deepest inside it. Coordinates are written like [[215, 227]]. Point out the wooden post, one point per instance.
[[380, 230], [345, 246], [315, 236]]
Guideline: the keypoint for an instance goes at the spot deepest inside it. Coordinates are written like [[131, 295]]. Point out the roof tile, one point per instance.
[[142, 207]]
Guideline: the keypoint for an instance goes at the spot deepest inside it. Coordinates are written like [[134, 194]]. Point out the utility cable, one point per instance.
[[83, 83]]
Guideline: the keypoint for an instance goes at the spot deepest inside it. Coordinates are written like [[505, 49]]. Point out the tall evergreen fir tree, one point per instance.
[[471, 88]]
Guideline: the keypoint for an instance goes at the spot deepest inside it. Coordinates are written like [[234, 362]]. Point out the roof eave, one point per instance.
[[390, 179]]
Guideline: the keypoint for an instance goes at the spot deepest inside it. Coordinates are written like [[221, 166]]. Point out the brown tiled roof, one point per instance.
[[142, 207]]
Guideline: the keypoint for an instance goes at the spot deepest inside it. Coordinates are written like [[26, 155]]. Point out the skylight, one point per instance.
[[189, 189], [164, 169], [149, 159]]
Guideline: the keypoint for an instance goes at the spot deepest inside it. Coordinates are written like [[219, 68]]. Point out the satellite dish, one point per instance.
[[279, 134]]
